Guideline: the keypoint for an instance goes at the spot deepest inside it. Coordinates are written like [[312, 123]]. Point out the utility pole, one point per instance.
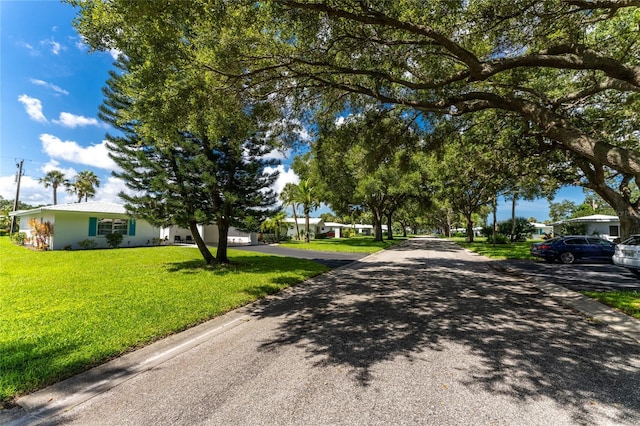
[[15, 202]]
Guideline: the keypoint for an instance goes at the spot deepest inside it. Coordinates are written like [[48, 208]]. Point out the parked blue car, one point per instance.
[[571, 248]]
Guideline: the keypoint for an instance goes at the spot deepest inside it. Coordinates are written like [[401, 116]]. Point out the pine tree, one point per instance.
[[191, 179]]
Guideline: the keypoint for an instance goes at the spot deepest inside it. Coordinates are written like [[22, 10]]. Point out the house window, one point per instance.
[[614, 230], [112, 226]]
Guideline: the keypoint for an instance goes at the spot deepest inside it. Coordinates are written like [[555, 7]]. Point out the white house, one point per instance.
[[334, 227], [315, 226], [209, 234], [598, 224], [541, 230], [93, 220]]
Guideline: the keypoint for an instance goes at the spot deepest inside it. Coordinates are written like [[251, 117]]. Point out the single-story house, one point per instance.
[[76, 222], [366, 229], [598, 224], [315, 226], [334, 227], [209, 234], [541, 230]]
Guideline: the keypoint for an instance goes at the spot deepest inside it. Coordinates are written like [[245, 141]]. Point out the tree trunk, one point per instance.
[[627, 212], [389, 227], [55, 195], [306, 225], [204, 250], [404, 229], [295, 219], [223, 234], [469, 228], [377, 225], [495, 219], [513, 217]]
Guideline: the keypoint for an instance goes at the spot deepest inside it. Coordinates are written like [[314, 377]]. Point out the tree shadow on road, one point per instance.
[[530, 347]]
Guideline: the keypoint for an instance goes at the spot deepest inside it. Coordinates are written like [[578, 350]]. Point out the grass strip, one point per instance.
[[344, 245], [62, 312], [519, 250], [624, 301]]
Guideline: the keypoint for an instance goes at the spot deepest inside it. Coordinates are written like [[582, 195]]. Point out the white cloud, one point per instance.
[[67, 119], [49, 86], [33, 107], [54, 45], [32, 50], [31, 192], [69, 172], [94, 155], [110, 189], [284, 177], [277, 154], [115, 53]]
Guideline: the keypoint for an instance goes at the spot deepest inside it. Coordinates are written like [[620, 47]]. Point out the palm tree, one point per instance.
[[54, 179], [288, 197], [84, 185], [307, 197]]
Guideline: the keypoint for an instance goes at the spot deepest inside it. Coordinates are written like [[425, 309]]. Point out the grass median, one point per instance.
[[344, 245], [62, 312], [518, 250]]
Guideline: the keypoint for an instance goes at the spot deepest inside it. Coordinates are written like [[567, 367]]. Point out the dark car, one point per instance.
[[574, 247]]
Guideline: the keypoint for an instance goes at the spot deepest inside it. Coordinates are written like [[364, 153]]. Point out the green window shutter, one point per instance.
[[132, 227], [93, 226]]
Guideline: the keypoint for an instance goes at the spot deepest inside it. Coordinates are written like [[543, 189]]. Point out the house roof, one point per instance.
[[336, 225], [592, 218], [89, 207], [312, 220], [540, 225]]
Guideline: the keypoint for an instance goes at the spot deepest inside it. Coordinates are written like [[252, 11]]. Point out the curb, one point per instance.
[[42, 405]]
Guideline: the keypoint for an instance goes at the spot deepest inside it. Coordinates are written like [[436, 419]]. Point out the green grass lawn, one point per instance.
[[498, 251], [349, 245], [625, 301], [65, 311]]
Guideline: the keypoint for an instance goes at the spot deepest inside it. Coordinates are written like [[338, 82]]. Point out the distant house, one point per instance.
[[541, 230], [77, 222], [598, 224], [316, 225], [335, 228], [209, 234]]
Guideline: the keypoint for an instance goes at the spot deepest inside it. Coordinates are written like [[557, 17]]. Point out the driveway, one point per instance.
[[331, 259], [578, 277], [423, 333]]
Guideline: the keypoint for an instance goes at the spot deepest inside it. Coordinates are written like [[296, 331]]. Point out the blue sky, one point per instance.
[[50, 89]]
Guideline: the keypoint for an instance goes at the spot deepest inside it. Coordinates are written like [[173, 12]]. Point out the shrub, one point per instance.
[[523, 229], [497, 239], [487, 231], [574, 229], [41, 232], [321, 236], [19, 238], [114, 240], [347, 232], [87, 244]]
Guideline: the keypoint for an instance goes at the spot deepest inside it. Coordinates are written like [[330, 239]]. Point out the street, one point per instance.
[[423, 333]]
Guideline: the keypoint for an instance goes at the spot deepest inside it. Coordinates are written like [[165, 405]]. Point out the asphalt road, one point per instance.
[[424, 333]]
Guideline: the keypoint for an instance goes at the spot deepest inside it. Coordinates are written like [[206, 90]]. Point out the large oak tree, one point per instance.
[[570, 69]]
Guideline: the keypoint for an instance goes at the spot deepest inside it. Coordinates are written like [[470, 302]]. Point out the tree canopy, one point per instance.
[[569, 70], [205, 165]]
